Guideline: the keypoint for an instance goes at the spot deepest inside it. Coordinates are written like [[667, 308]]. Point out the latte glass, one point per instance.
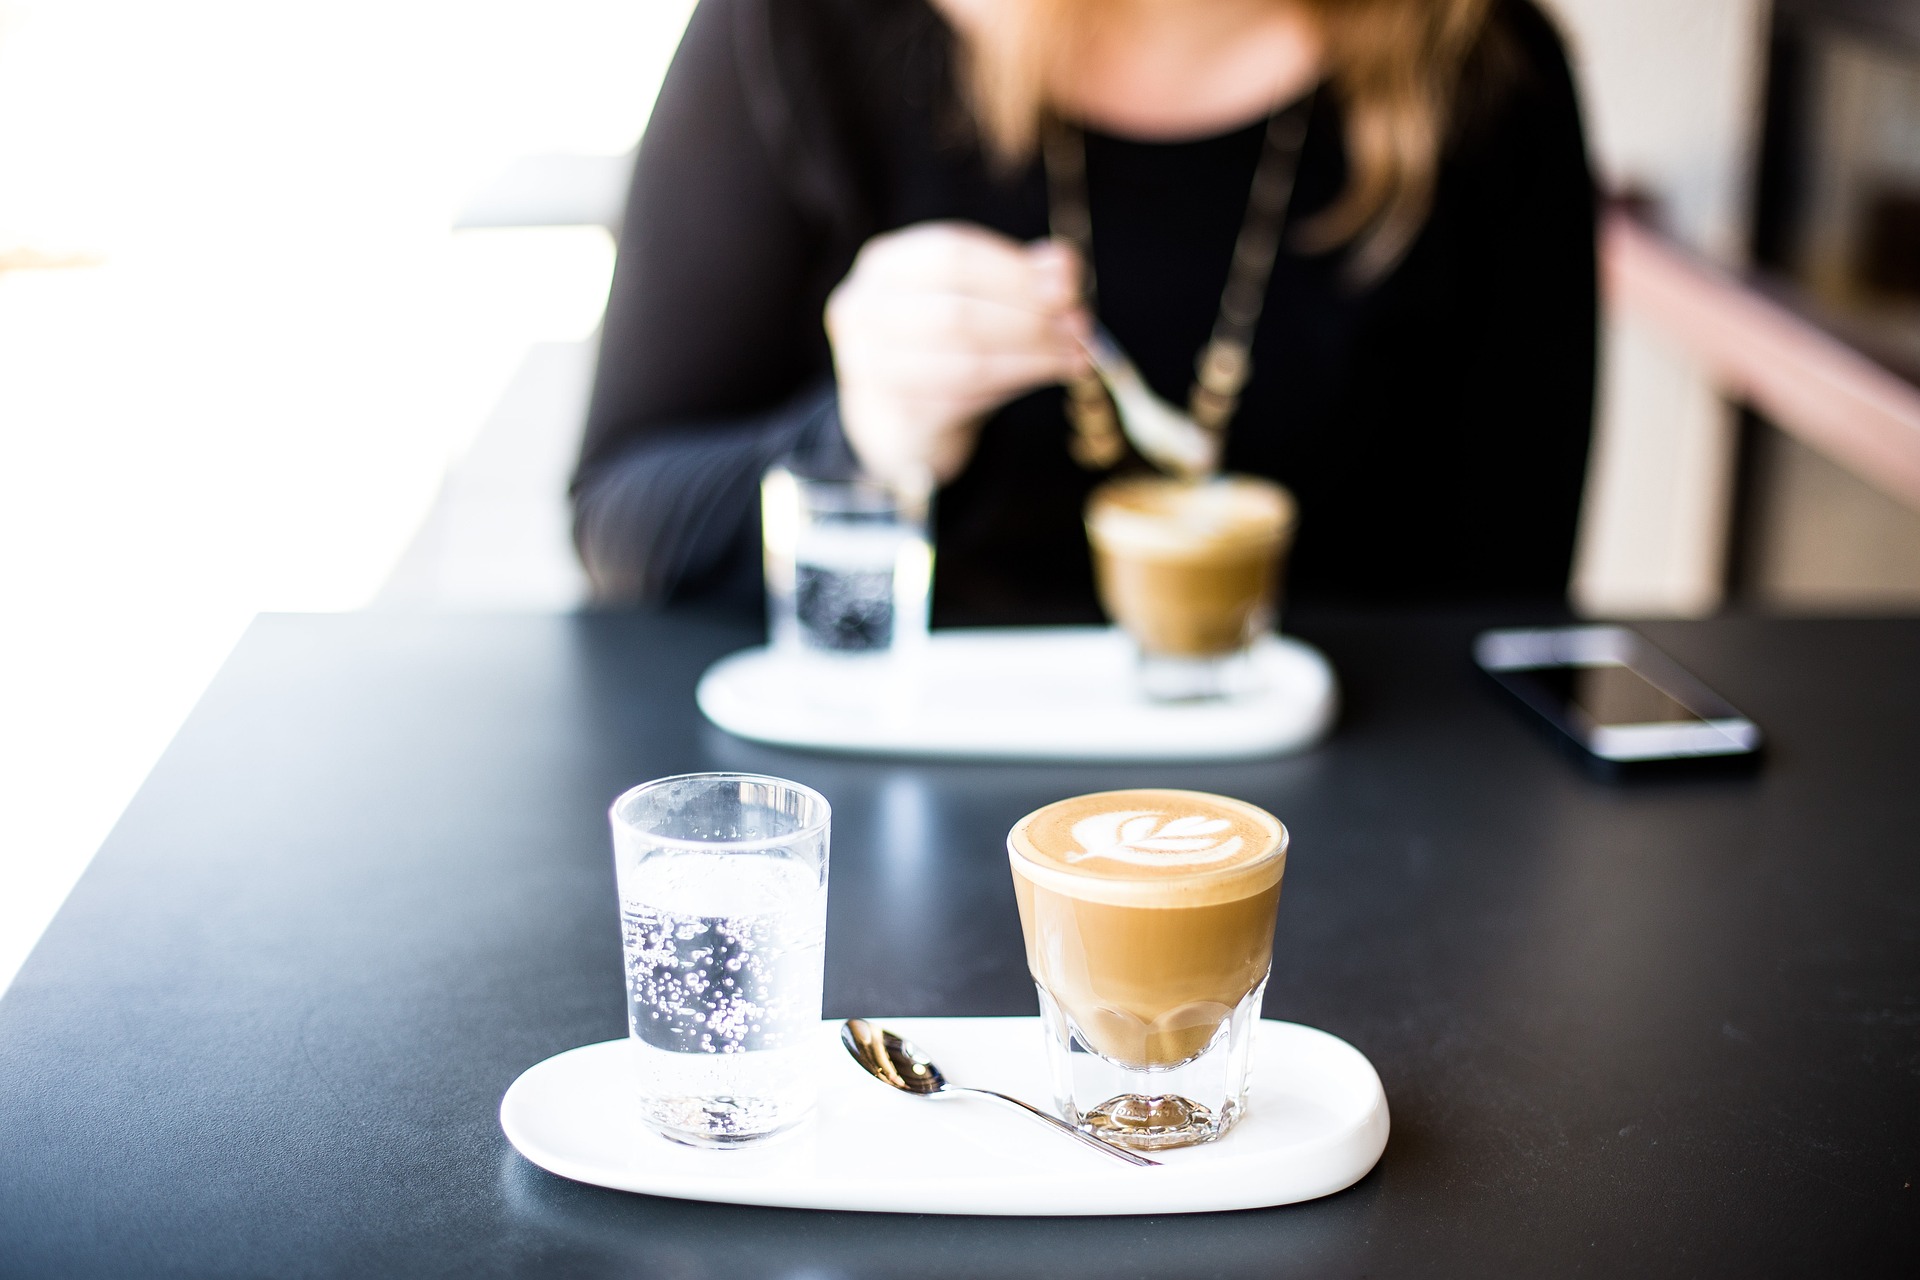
[[1191, 571], [1148, 918]]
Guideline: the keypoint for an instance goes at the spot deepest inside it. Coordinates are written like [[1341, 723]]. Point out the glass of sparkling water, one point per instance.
[[849, 563], [723, 919]]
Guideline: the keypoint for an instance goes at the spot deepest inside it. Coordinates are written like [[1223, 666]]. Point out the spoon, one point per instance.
[[893, 1061], [1163, 434]]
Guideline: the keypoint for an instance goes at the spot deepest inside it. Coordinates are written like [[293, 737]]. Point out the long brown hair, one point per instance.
[[1395, 65]]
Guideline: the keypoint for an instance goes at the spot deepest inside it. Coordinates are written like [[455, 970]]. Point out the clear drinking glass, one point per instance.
[[848, 562], [1148, 918], [723, 919]]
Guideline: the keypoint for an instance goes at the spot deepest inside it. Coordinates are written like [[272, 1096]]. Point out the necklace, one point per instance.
[[1225, 363]]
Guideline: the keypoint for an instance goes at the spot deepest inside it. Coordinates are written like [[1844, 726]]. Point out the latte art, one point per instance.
[[1146, 838], [1152, 846]]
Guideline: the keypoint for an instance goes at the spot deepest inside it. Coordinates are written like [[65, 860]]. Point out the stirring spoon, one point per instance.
[[893, 1061], [1163, 434]]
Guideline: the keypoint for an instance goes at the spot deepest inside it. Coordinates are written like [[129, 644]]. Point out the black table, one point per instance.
[[1667, 1027]]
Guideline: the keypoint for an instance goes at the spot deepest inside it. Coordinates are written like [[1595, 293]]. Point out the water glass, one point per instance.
[[849, 565], [723, 919]]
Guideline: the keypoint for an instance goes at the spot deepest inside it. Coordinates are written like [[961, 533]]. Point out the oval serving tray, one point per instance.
[[1016, 693], [1316, 1123]]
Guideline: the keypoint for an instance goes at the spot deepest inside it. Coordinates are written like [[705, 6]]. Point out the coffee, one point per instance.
[[1190, 568], [1148, 915]]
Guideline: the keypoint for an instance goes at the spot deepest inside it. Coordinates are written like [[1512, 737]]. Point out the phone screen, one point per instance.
[[1611, 695], [1588, 682]]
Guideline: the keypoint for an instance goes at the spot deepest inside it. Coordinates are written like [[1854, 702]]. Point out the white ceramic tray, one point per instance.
[[1035, 693], [1316, 1123]]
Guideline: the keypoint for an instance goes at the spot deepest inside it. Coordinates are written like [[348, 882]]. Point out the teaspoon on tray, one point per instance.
[[895, 1062]]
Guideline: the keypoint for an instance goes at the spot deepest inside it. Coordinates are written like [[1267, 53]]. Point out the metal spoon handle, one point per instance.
[[1086, 1138]]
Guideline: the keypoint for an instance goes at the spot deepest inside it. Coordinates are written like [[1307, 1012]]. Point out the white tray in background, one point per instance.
[[1033, 693], [1316, 1123]]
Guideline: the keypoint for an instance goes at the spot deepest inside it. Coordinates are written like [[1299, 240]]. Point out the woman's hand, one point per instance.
[[939, 324]]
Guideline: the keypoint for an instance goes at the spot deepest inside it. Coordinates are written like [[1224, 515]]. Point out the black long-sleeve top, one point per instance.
[[1433, 423]]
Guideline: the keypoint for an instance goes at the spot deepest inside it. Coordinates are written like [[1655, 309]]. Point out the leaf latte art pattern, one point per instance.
[[1148, 839]]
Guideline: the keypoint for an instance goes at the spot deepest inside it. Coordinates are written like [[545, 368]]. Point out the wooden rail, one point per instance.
[[1801, 378]]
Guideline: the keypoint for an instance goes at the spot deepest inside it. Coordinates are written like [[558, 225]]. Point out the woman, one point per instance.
[[1421, 354]]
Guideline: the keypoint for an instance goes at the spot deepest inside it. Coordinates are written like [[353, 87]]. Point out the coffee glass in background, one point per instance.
[[1148, 917], [723, 919], [849, 564], [1190, 569]]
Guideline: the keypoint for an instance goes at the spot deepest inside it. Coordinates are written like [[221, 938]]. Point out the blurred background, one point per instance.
[[298, 305]]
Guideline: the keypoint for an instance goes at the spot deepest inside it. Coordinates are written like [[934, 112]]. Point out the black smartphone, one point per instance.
[[1616, 696]]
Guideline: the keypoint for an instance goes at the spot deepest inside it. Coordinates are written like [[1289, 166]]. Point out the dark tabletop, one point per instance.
[[1664, 1027]]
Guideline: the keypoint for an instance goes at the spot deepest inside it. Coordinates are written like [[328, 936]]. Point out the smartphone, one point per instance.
[[1616, 696]]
